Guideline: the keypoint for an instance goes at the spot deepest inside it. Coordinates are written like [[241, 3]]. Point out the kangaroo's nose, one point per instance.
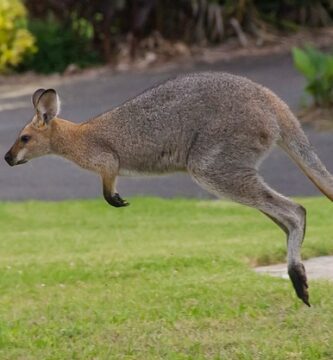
[[9, 159]]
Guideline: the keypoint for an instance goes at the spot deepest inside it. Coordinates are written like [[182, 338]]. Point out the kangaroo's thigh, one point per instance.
[[229, 150], [224, 169]]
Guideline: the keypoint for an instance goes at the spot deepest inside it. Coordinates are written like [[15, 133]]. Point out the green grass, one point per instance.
[[161, 279]]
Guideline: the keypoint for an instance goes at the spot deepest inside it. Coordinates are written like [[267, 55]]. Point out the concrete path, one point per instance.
[[53, 178], [316, 268]]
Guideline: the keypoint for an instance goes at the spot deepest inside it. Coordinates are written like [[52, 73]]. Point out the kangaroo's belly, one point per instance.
[[157, 161]]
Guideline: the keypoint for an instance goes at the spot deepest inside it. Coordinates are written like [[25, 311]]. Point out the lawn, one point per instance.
[[161, 279]]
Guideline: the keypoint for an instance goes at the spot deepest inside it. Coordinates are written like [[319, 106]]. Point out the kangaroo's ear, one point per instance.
[[47, 104], [35, 97]]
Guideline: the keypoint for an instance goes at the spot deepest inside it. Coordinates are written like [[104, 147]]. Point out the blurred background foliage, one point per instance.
[[15, 39], [317, 68], [60, 45], [87, 32]]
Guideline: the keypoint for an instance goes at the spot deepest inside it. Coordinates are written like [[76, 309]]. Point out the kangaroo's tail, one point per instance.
[[294, 141]]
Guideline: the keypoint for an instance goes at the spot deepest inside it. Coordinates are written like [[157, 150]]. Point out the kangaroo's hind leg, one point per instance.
[[243, 185]]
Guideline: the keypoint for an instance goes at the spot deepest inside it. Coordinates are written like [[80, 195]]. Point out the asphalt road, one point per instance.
[[52, 178]]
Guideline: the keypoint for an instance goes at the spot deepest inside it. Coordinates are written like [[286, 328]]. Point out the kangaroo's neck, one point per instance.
[[81, 144], [67, 139]]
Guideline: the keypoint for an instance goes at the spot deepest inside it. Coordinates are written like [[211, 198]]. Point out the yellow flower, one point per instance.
[[15, 39]]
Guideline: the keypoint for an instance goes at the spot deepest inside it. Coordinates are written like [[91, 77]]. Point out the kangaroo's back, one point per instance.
[[172, 116]]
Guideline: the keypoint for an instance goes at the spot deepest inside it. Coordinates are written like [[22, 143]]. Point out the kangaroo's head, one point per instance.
[[34, 139]]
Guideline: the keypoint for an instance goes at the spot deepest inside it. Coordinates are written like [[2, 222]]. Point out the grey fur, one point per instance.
[[216, 126]]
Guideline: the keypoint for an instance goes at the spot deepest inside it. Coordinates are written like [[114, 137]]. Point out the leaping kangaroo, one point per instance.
[[216, 126]]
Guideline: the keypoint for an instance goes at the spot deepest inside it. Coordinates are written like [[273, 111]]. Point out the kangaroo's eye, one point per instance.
[[25, 138]]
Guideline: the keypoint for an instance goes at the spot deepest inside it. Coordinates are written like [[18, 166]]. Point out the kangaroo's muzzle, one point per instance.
[[9, 159]]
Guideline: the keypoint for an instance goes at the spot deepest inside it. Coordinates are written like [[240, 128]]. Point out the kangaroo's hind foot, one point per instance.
[[298, 278]]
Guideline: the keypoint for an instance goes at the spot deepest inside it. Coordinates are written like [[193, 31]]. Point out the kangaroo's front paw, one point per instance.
[[298, 278], [115, 200]]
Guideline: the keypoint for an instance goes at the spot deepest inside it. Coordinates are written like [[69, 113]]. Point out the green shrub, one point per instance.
[[59, 45], [15, 39], [317, 68]]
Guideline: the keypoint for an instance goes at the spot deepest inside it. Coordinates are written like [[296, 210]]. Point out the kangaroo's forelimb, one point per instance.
[[109, 191]]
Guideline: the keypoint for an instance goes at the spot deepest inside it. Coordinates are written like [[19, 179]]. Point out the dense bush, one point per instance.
[[317, 68], [15, 39], [193, 21], [59, 45], [85, 32]]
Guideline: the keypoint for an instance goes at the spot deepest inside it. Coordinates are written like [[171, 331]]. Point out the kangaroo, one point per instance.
[[216, 126]]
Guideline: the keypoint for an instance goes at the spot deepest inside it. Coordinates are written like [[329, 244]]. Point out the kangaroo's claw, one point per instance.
[[115, 200], [298, 278]]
